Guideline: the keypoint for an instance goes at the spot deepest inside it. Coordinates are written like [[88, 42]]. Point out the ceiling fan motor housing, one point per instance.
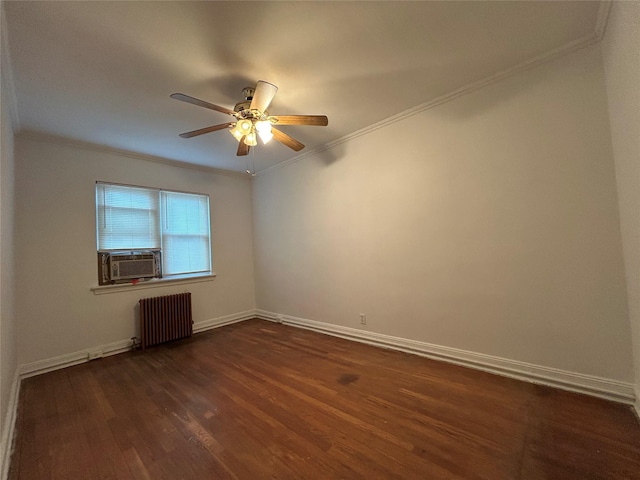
[[248, 92], [243, 108]]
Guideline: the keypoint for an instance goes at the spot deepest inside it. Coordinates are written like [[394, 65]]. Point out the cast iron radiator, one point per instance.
[[166, 318]]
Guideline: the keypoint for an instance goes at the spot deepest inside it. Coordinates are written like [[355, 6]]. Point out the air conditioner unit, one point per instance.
[[118, 267]]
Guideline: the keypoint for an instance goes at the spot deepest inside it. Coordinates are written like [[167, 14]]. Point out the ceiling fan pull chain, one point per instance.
[[251, 169], [253, 165]]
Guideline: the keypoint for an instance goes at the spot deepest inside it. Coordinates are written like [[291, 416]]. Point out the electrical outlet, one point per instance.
[[363, 319]]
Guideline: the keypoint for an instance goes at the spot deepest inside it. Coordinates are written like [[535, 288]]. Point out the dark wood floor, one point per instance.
[[258, 400]]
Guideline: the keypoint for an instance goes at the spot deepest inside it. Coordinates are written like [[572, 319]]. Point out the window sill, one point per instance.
[[152, 283]]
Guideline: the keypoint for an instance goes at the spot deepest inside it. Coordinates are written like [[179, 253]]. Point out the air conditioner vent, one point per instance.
[[133, 268], [118, 267]]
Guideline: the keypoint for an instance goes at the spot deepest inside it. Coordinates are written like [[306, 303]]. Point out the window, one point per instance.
[[138, 218]]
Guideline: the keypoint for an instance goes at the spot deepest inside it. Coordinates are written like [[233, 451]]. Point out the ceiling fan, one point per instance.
[[251, 119]]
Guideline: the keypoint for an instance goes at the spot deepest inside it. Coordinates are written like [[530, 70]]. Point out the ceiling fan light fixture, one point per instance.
[[236, 133], [250, 139], [264, 130], [265, 137], [263, 126], [244, 126]]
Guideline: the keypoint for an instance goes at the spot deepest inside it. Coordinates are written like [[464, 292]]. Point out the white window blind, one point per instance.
[[185, 233], [135, 218], [127, 217]]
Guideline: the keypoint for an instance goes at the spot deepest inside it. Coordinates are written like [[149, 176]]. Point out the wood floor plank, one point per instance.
[[257, 400], [95, 413]]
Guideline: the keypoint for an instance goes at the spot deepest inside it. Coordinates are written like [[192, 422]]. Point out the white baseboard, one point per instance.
[[636, 405], [43, 366], [270, 316], [576, 382], [56, 363], [224, 320], [6, 443]]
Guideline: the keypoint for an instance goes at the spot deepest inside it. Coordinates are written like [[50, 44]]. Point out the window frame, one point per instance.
[[199, 275]]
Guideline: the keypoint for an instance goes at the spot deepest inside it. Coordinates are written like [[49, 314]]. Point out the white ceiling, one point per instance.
[[102, 72]]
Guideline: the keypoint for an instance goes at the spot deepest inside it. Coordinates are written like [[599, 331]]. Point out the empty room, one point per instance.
[[320, 240]]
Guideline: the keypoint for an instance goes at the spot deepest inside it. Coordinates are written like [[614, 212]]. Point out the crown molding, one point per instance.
[[603, 18], [6, 71], [64, 141], [567, 48]]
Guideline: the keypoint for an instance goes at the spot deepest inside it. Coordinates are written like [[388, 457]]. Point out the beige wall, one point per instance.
[[621, 52], [8, 355], [55, 221], [487, 224]]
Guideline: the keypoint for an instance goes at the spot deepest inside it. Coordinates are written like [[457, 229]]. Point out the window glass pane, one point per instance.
[[186, 254], [185, 233]]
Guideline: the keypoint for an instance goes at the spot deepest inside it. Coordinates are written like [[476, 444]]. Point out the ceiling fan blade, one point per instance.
[[319, 120], [263, 95], [201, 103], [202, 131], [287, 140], [243, 148]]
